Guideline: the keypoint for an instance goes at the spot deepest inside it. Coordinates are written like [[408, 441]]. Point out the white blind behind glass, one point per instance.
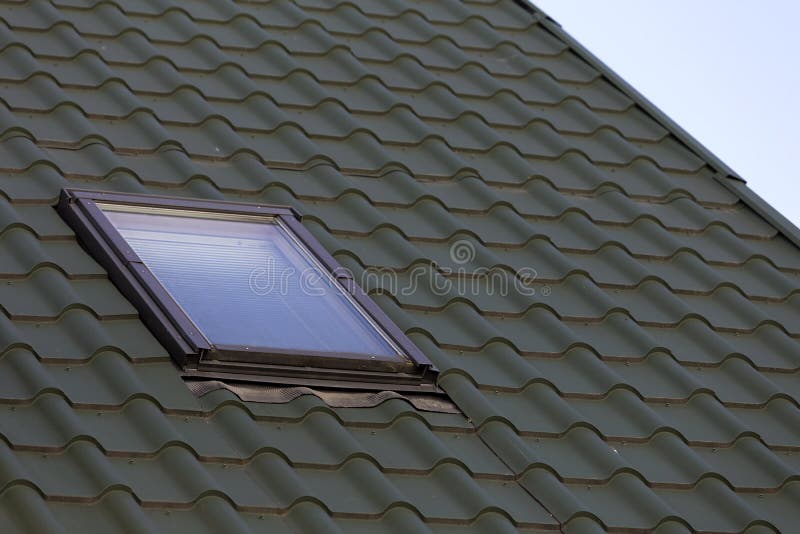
[[248, 283]]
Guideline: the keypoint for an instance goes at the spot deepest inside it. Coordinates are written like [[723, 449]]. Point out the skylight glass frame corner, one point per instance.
[[187, 344]]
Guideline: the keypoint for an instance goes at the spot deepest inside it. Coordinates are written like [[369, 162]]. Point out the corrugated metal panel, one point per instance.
[[650, 381]]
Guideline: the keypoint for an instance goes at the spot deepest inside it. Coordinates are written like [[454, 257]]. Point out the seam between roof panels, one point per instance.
[[517, 476], [428, 120], [725, 175], [360, 173], [433, 136], [165, 40]]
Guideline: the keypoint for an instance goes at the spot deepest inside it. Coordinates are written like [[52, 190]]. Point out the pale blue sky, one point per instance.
[[727, 72]]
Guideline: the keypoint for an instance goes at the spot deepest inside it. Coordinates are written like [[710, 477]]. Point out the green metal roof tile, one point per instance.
[[81, 471], [41, 19], [660, 376], [109, 378], [580, 373], [747, 464], [652, 303], [138, 428], [572, 236], [426, 494], [174, 476], [67, 256], [785, 382], [77, 335], [118, 510], [23, 509], [36, 183], [39, 219], [101, 19], [449, 12], [778, 510], [643, 508], [776, 422], [649, 383], [47, 422], [408, 442], [712, 506], [579, 455], [693, 342], [46, 293], [24, 377]]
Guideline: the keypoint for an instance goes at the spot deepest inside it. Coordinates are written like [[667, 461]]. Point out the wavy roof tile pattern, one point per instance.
[[650, 382]]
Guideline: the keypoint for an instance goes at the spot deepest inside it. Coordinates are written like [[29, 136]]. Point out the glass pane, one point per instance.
[[248, 283]]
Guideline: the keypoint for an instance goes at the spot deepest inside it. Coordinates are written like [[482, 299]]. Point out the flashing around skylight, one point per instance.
[[243, 291]]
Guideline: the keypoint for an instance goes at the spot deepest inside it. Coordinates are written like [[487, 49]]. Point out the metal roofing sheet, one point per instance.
[[649, 382]]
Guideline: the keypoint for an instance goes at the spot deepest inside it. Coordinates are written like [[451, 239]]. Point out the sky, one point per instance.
[[727, 72]]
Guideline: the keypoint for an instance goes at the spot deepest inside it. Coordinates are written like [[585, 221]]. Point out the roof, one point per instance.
[[651, 382]]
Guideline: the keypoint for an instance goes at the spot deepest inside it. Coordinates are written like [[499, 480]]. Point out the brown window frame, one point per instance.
[[187, 345]]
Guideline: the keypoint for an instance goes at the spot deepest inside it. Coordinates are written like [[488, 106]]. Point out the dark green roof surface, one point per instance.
[[650, 383]]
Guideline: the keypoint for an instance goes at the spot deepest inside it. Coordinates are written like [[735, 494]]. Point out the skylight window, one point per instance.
[[242, 290], [248, 283]]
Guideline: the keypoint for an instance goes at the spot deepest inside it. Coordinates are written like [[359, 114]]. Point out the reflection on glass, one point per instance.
[[248, 283]]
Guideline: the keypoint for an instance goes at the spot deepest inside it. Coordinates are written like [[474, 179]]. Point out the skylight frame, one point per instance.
[[83, 211]]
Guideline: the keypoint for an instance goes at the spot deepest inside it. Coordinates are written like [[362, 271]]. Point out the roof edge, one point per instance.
[[682, 135], [763, 208], [724, 174]]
